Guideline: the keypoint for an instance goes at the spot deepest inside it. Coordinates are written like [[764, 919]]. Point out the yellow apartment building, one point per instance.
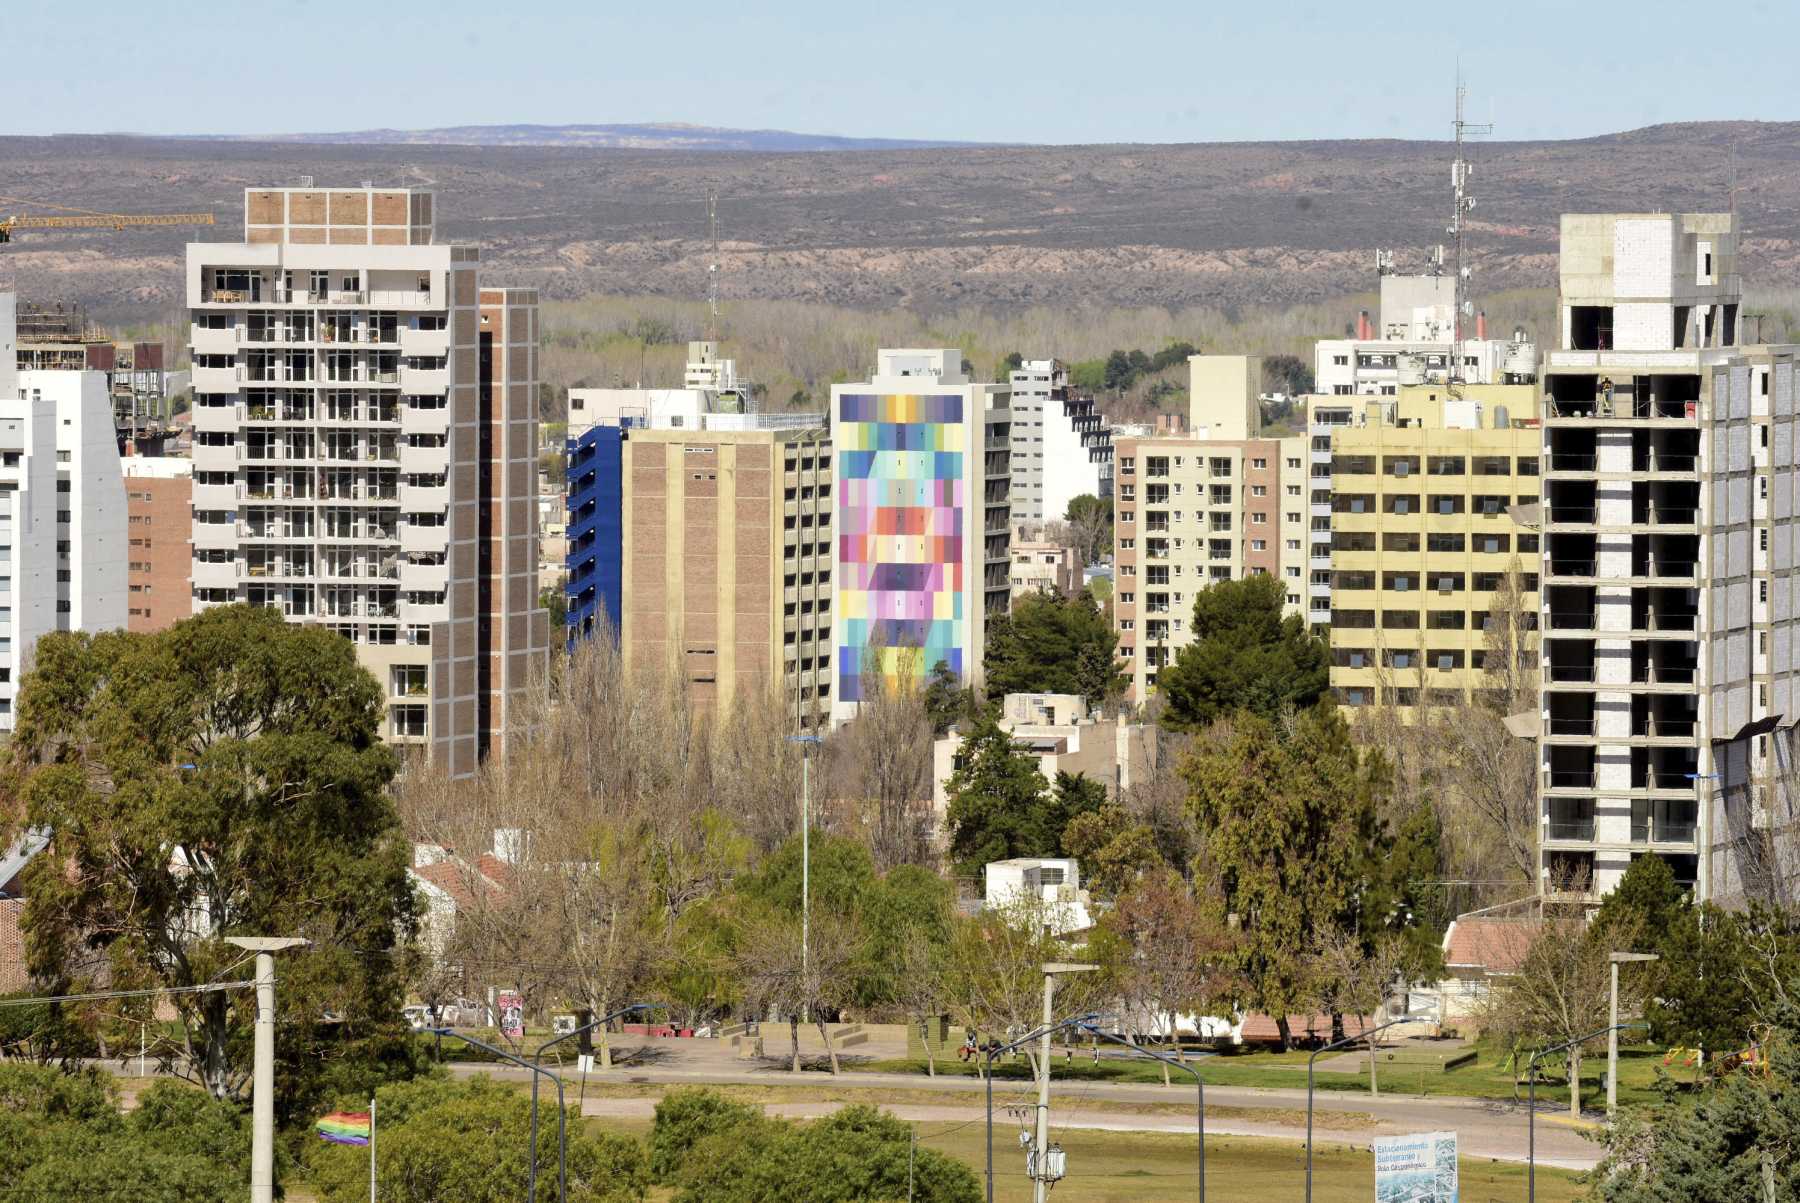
[[1432, 490]]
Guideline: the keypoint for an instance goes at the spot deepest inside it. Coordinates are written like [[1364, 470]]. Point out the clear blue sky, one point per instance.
[[984, 70]]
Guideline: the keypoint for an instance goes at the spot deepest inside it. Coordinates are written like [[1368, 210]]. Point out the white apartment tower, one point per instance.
[[1061, 445], [62, 510], [364, 445], [1668, 601], [921, 523]]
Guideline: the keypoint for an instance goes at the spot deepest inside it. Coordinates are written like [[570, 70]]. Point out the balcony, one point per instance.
[[1574, 830], [424, 539], [202, 341], [1573, 568], [433, 578], [419, 499], [414, 420], [434, 343], [433, 381], [210, 457], [209, 574], [218, 380]]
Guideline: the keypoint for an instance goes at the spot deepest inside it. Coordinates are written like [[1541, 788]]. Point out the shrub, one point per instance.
[[684, 1118]]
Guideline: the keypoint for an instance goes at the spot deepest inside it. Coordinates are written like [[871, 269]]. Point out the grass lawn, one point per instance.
[[1135, 1167], [1485, 1077]]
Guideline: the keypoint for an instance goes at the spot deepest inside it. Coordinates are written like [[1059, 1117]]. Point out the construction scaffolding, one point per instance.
[[58, 336]]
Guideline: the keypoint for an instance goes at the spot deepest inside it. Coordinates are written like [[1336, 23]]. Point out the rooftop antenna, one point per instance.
[[1460, 171], [712, 268]]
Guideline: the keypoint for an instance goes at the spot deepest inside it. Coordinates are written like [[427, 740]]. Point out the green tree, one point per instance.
[[947, 700], [1053, 644], [1120, 371], [1287, 374], [1734, 1145], [222, 777], [1114, 847], [1245, 655], [911, 907], [551, 598], [470, 1142], [1089, 523], [998, 806], [1289, 833]]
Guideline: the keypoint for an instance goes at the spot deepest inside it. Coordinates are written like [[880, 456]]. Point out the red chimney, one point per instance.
[[1364, 331], [1481, 324]]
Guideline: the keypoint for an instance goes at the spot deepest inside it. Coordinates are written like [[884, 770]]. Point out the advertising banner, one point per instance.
[[1420, 1168], [512, 1015]]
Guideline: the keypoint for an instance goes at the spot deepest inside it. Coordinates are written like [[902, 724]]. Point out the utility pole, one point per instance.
[[262, 1095], [1612, 1034], [1043, 1171], [1460, 171], [806, 742]]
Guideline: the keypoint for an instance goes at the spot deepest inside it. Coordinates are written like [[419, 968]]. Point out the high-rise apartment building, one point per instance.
[[159, 540], [1216, 503], [701, 529], [922, 520], [62, 509], [359, 408], [1061, 444], [1412, 341], [1428, 488], [1670, 494]]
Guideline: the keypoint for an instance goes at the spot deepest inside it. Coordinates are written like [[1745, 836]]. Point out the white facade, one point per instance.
[[1061, 447], [62, 510], [1053, 883], [711, 398], [1412, 342]]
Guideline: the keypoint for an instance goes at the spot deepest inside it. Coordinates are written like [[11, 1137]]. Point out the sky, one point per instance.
[[977, 70]]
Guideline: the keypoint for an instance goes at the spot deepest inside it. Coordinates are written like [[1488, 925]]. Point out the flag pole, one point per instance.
[[371, 1149]]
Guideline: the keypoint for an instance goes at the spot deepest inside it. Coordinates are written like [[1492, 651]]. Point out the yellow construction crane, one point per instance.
[[90, 219]]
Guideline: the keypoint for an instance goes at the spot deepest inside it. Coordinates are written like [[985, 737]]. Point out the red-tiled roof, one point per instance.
[[459, 880], [1262, 1029], [1490, 945]]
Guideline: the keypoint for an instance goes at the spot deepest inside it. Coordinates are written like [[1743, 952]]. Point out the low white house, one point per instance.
[[1057, 729], [1055, 882]]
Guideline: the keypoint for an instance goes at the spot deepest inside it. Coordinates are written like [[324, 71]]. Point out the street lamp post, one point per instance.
[[807, 743], [1199, 1091], [1612, 1035], [1531, 1101], [562, 1139], [531, 1191], [989, 1057], [1317, 1053]]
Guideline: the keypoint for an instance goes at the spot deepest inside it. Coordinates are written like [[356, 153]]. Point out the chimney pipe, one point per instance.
[[1364, 331], [1481, 324]]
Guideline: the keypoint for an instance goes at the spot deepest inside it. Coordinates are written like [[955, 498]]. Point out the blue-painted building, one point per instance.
[[593, 585]]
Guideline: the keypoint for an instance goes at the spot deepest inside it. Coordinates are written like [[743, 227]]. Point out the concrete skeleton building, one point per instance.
[[1427, 490], [1669, 688], [365, 417], [159, 516], [701, 529], [62, 509], [1216, 503], [1061, 444], [922, 520]]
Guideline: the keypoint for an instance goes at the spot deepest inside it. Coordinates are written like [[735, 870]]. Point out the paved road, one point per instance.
[[1486, 1128]]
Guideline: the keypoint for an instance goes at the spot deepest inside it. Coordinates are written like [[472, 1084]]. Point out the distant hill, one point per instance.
[[1221, 224], [650, 136]]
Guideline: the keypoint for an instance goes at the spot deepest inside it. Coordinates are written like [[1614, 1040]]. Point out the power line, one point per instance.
[[101, 995]]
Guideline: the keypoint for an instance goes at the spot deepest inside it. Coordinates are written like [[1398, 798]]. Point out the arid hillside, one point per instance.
[[1227, 225]]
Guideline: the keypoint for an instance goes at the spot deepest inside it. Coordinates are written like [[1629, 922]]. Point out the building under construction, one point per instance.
[[58, 335]]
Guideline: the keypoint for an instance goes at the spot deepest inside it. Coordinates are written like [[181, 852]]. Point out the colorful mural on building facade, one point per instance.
[[900, 498]]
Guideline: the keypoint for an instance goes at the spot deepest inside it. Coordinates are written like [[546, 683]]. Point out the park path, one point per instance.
[[1485, 1128]]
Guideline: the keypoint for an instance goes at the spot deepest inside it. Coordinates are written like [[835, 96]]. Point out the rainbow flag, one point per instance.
[[345, 1128]]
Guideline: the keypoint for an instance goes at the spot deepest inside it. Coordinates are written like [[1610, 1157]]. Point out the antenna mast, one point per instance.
[[1460, 171], [712, 268]]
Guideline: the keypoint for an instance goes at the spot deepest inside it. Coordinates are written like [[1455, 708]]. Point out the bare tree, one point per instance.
[[1562, 988], [1355, 978], [883, 760], [782, 978], [994, 979]]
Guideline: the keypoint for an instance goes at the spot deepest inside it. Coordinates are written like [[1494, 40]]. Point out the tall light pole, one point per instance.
[[562, 1137], [1368, 1035], [562, 1146], [1040, 1182], [1612, 1034], [262, 1095], [807, 743]]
